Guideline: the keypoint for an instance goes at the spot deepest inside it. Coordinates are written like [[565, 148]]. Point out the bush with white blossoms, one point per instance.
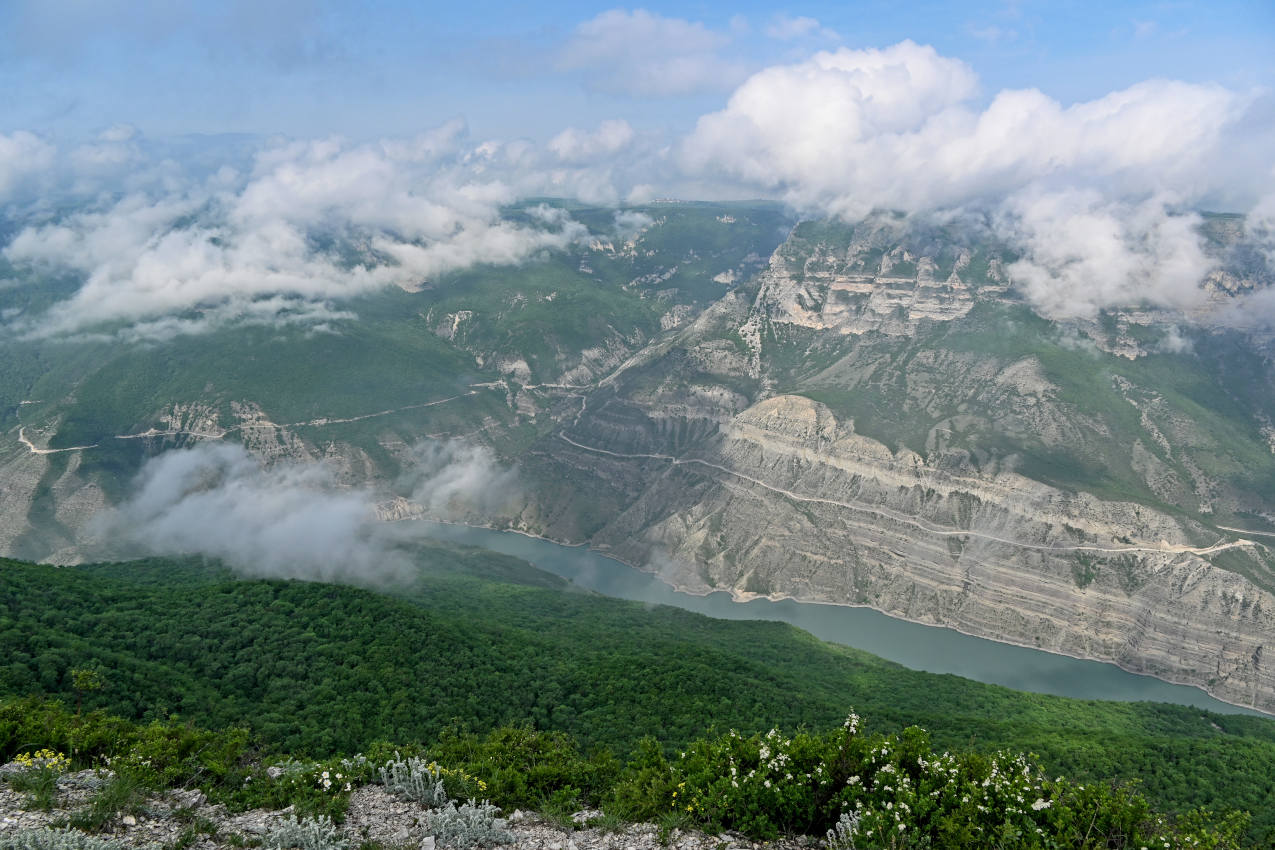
[[875, 791], [313, 788]]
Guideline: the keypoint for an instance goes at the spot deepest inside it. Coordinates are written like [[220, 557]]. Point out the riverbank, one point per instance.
[[915, 644]]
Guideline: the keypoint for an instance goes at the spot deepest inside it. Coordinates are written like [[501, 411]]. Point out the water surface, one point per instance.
[[921, 647]]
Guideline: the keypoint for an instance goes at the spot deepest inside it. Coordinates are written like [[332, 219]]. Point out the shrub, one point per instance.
[[294, 833], [54, 839], [314, 789], [877, 791], [37, 775], [520, 766], [470, 825], [414, 779]]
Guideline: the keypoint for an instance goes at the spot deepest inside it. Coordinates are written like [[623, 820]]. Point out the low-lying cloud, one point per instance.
[[453, 478], [1082, 253], [291, 520], [314, 223]]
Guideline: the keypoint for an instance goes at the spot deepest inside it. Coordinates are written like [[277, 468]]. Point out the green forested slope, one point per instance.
[[485, 640]]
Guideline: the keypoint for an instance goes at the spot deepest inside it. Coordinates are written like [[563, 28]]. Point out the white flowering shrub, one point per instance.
[[311, 788], [54, 839], [294, 833], [866, 792], [469, 825]]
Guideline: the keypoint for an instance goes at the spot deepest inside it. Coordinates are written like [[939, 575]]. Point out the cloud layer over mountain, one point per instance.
[[1100, 198]]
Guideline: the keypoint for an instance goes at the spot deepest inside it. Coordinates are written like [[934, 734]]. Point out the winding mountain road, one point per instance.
[[929, 528]]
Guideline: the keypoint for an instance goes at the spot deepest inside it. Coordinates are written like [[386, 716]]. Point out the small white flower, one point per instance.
[[1041, 804]]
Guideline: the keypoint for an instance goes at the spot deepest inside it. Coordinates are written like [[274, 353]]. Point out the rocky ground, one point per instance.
[[186, 820]]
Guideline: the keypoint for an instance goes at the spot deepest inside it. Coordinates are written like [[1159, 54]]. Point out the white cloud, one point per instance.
[[629, 224], [809, 130], [851, 130], [1085, 190], [287, 521], [453, 478], [1090, 193], [1084, 253], [574, 146], [251, 249], [645, 54], [291, 519], [786, 28]]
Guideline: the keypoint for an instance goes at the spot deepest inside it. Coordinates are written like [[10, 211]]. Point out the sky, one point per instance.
[[179, 158], [379, 68]]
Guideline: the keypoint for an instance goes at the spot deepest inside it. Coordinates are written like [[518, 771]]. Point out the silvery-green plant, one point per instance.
[[305, 834], [841, 836], [290, 767], [470, 825], [415, 779], [55, 839]]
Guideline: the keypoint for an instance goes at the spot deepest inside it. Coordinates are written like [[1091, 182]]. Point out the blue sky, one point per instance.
[[368, 69]]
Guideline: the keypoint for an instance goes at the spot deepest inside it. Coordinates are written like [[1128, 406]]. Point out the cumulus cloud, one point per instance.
[[645, 54], [1089, 193], [290, 520], [1095, 197]]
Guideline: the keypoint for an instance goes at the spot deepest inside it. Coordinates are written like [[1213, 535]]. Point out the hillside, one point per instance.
[[480, 641]]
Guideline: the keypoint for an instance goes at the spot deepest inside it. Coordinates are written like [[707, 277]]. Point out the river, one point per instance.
[[921, 647]]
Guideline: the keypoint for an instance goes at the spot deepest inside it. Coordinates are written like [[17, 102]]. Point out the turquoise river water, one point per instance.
[[921, 647]]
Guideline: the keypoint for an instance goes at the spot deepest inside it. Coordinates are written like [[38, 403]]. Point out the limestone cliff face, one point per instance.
[[1062, 486], [789, 501]]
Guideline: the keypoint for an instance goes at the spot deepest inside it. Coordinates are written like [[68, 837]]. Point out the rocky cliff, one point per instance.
[[875, 418], [886, 425], [788, 501]]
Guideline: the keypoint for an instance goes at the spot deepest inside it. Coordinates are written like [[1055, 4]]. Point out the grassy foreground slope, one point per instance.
[[482, 641]]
